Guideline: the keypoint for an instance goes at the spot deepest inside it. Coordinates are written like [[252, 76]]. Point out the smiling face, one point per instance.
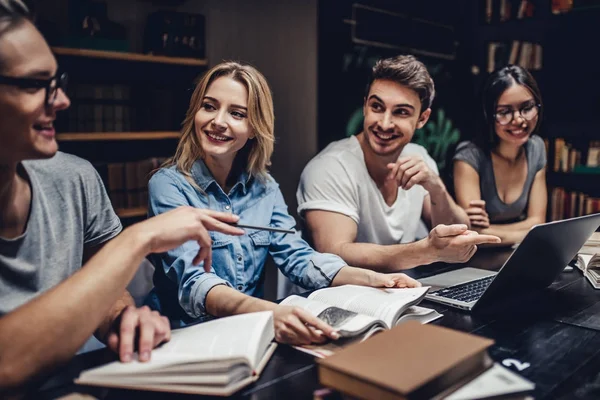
[[26, 125], [392, 113], [221, 123], [517, 132]]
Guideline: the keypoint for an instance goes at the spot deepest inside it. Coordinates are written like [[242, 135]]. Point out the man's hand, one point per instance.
[[412, 170], [176, 227], [295, 326], [477, 215], [150, 327], [455, 243]]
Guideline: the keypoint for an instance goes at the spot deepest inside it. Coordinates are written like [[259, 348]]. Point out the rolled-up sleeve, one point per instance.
[[295, 258], [166, 193]]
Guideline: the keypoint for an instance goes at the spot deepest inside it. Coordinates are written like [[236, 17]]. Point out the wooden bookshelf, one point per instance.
[[131, 212], [103, 136], [122, 56]]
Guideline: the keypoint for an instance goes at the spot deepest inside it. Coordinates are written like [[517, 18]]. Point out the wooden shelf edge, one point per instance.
[[131, 212], [100, 136], [117, 55]]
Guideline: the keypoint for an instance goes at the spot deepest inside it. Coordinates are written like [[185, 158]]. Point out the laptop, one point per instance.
[[533, 265]]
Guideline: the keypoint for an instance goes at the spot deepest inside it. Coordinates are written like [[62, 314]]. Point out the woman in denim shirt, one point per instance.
[[221, 164]]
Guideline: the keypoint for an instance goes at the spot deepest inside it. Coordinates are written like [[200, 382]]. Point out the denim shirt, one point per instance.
[[237, 261]]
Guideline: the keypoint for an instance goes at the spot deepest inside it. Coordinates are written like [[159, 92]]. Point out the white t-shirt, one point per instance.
[[337, 180]]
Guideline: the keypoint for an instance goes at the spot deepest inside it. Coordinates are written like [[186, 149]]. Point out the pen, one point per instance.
[[265, 228]]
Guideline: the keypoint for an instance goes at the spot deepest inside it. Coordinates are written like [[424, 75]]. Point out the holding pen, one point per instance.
[[264, 228]]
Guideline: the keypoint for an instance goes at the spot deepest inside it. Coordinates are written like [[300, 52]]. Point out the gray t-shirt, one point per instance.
[[499, 211], [69, 210]]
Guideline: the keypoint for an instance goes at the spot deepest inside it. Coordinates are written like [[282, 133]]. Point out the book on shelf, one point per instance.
[[408, 361], [218, 357], [525, 54], [127, 183], [505, 10], [358, 312], [569, 204]]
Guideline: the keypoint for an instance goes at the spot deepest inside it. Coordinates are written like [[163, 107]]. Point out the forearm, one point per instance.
[[511, 233], [222, 301], [67, 315], [445, 211], [123, 302], [381, 258]]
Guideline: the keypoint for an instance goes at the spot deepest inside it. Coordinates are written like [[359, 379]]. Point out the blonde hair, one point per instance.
[[260, 116]]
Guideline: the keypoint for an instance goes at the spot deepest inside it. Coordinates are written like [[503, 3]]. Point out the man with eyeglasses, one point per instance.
[[500, 176], [63, 269]]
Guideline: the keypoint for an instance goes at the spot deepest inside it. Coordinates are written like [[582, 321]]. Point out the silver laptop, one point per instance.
[[533, 265]]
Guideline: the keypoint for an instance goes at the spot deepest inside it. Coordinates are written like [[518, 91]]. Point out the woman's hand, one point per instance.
[[477, 215], [296, 326], [366, 277]]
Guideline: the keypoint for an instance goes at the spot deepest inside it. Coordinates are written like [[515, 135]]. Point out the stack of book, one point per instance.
[[414, 361]]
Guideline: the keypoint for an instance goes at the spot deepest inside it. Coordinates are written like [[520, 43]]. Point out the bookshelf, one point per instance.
[[102, 136], [125, 113], [133, 212], [123, 56], [566, 76]]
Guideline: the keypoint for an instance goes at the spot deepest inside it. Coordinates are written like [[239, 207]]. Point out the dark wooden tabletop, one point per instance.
[[551, 338]]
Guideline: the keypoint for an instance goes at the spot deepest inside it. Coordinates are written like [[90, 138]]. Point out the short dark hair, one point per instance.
[[12, 14], [407, 71], [496, 84]]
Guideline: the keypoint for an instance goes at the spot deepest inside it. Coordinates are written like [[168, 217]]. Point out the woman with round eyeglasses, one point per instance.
[[500, 177]]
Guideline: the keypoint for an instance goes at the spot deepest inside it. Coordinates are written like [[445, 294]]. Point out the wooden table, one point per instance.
[[551, 338]]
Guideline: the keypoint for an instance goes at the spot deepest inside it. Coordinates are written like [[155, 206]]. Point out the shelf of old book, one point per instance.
[[102, 136], [131, 212], [122, 56]]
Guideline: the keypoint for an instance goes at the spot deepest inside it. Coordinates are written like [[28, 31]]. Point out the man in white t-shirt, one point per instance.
[[363, 197]]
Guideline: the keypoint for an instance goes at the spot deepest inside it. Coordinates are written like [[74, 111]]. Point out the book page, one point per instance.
[[496, 381], [417, 313], [383, 304], [347, 323], [221, 343], [229, 337]]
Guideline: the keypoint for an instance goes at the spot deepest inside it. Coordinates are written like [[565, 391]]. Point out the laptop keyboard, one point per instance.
[[467, 292]]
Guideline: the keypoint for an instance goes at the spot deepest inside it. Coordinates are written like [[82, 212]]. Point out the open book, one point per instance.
[[357, 312], [214, 358], [590, 265]]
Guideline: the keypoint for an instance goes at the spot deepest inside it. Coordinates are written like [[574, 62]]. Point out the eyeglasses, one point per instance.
[[51, 85], [527, 112]]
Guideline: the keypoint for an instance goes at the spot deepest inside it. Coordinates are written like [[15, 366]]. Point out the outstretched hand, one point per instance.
[[455, 243], [178, 226]]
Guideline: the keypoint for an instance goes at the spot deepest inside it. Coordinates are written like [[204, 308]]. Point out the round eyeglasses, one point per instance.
[[527, 112]]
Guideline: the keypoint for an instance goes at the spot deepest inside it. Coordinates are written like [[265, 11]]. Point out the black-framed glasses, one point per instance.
[[527, 112], [59, 81]]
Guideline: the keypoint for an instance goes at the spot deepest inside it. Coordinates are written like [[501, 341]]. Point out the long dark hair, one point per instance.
[[497, 83]]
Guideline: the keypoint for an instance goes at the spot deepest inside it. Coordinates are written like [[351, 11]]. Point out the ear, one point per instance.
[[252, 135], [423, 118]]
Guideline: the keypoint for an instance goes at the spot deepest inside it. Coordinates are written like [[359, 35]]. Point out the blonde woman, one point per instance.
[[221, 164]]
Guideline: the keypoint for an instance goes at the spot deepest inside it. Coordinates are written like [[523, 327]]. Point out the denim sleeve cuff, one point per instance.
[[322, 269], [199, 292]]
